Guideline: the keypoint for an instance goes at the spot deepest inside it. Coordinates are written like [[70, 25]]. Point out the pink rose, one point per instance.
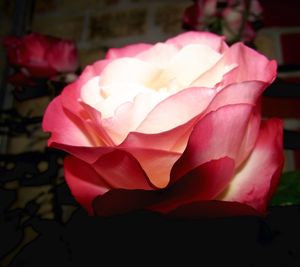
[[173, 127], [41, 56]]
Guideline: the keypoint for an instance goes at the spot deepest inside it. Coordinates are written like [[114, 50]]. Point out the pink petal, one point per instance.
[[65, 127], [174, 140], [202, 183], [238, 93], [191, 188], [219, 134], [121, 170], [194, 37], [252, 66], [127, 51], [156, 163], [255, 182], [177, 110], [72, 93], [84, 182], [63, 56], [129, 116]]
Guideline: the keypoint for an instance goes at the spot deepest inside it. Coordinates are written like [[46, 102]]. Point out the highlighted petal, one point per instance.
[[177, 110], [121, 170], [65, 127], [219, 134], [156, 163], [255, 182], [84, 182]]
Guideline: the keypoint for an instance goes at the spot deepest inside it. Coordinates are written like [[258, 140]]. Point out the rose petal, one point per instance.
[[121, 170], [213, 138], [190, 188], [127, 51], [129, 70], [254, 183], [194, 37], [177, 110], [202, 183], [252, 66], [84, 182], [156, 163], [65, 127], [159, 54], [197, 58]]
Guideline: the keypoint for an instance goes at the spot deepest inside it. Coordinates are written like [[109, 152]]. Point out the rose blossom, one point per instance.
[[41, 56], [173, 127]]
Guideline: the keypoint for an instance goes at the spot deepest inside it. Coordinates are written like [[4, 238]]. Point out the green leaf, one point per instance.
[[288, 191]]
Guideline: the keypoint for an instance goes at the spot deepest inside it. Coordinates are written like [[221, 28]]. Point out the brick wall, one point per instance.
[[96, 25]]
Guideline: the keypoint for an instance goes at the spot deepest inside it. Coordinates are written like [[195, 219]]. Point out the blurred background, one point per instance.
[[31, 177]]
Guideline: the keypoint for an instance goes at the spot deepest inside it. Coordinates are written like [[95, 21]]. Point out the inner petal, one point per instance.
[[196, 59]]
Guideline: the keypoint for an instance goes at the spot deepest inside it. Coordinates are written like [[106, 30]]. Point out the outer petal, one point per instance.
[[238, 64], [66, 118], [219, 134], [194, 37], [156, 163], [84, 182], [255, 182], [127, 51], [66, 128], [121, 170], [191, 188], [252, 66], [202, 183]]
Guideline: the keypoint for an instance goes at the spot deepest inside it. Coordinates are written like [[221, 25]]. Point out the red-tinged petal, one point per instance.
[[193, 37], [219, 134], [252, 66], [84, 153], [84, 182], [212, 209], [174, 140], [72, 93], [177, 110], [188, 190], [200, 184], [64, 126], [156, 163], [127, 51], [256, 180], [62, 56], [121, 170], [238, 93]]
